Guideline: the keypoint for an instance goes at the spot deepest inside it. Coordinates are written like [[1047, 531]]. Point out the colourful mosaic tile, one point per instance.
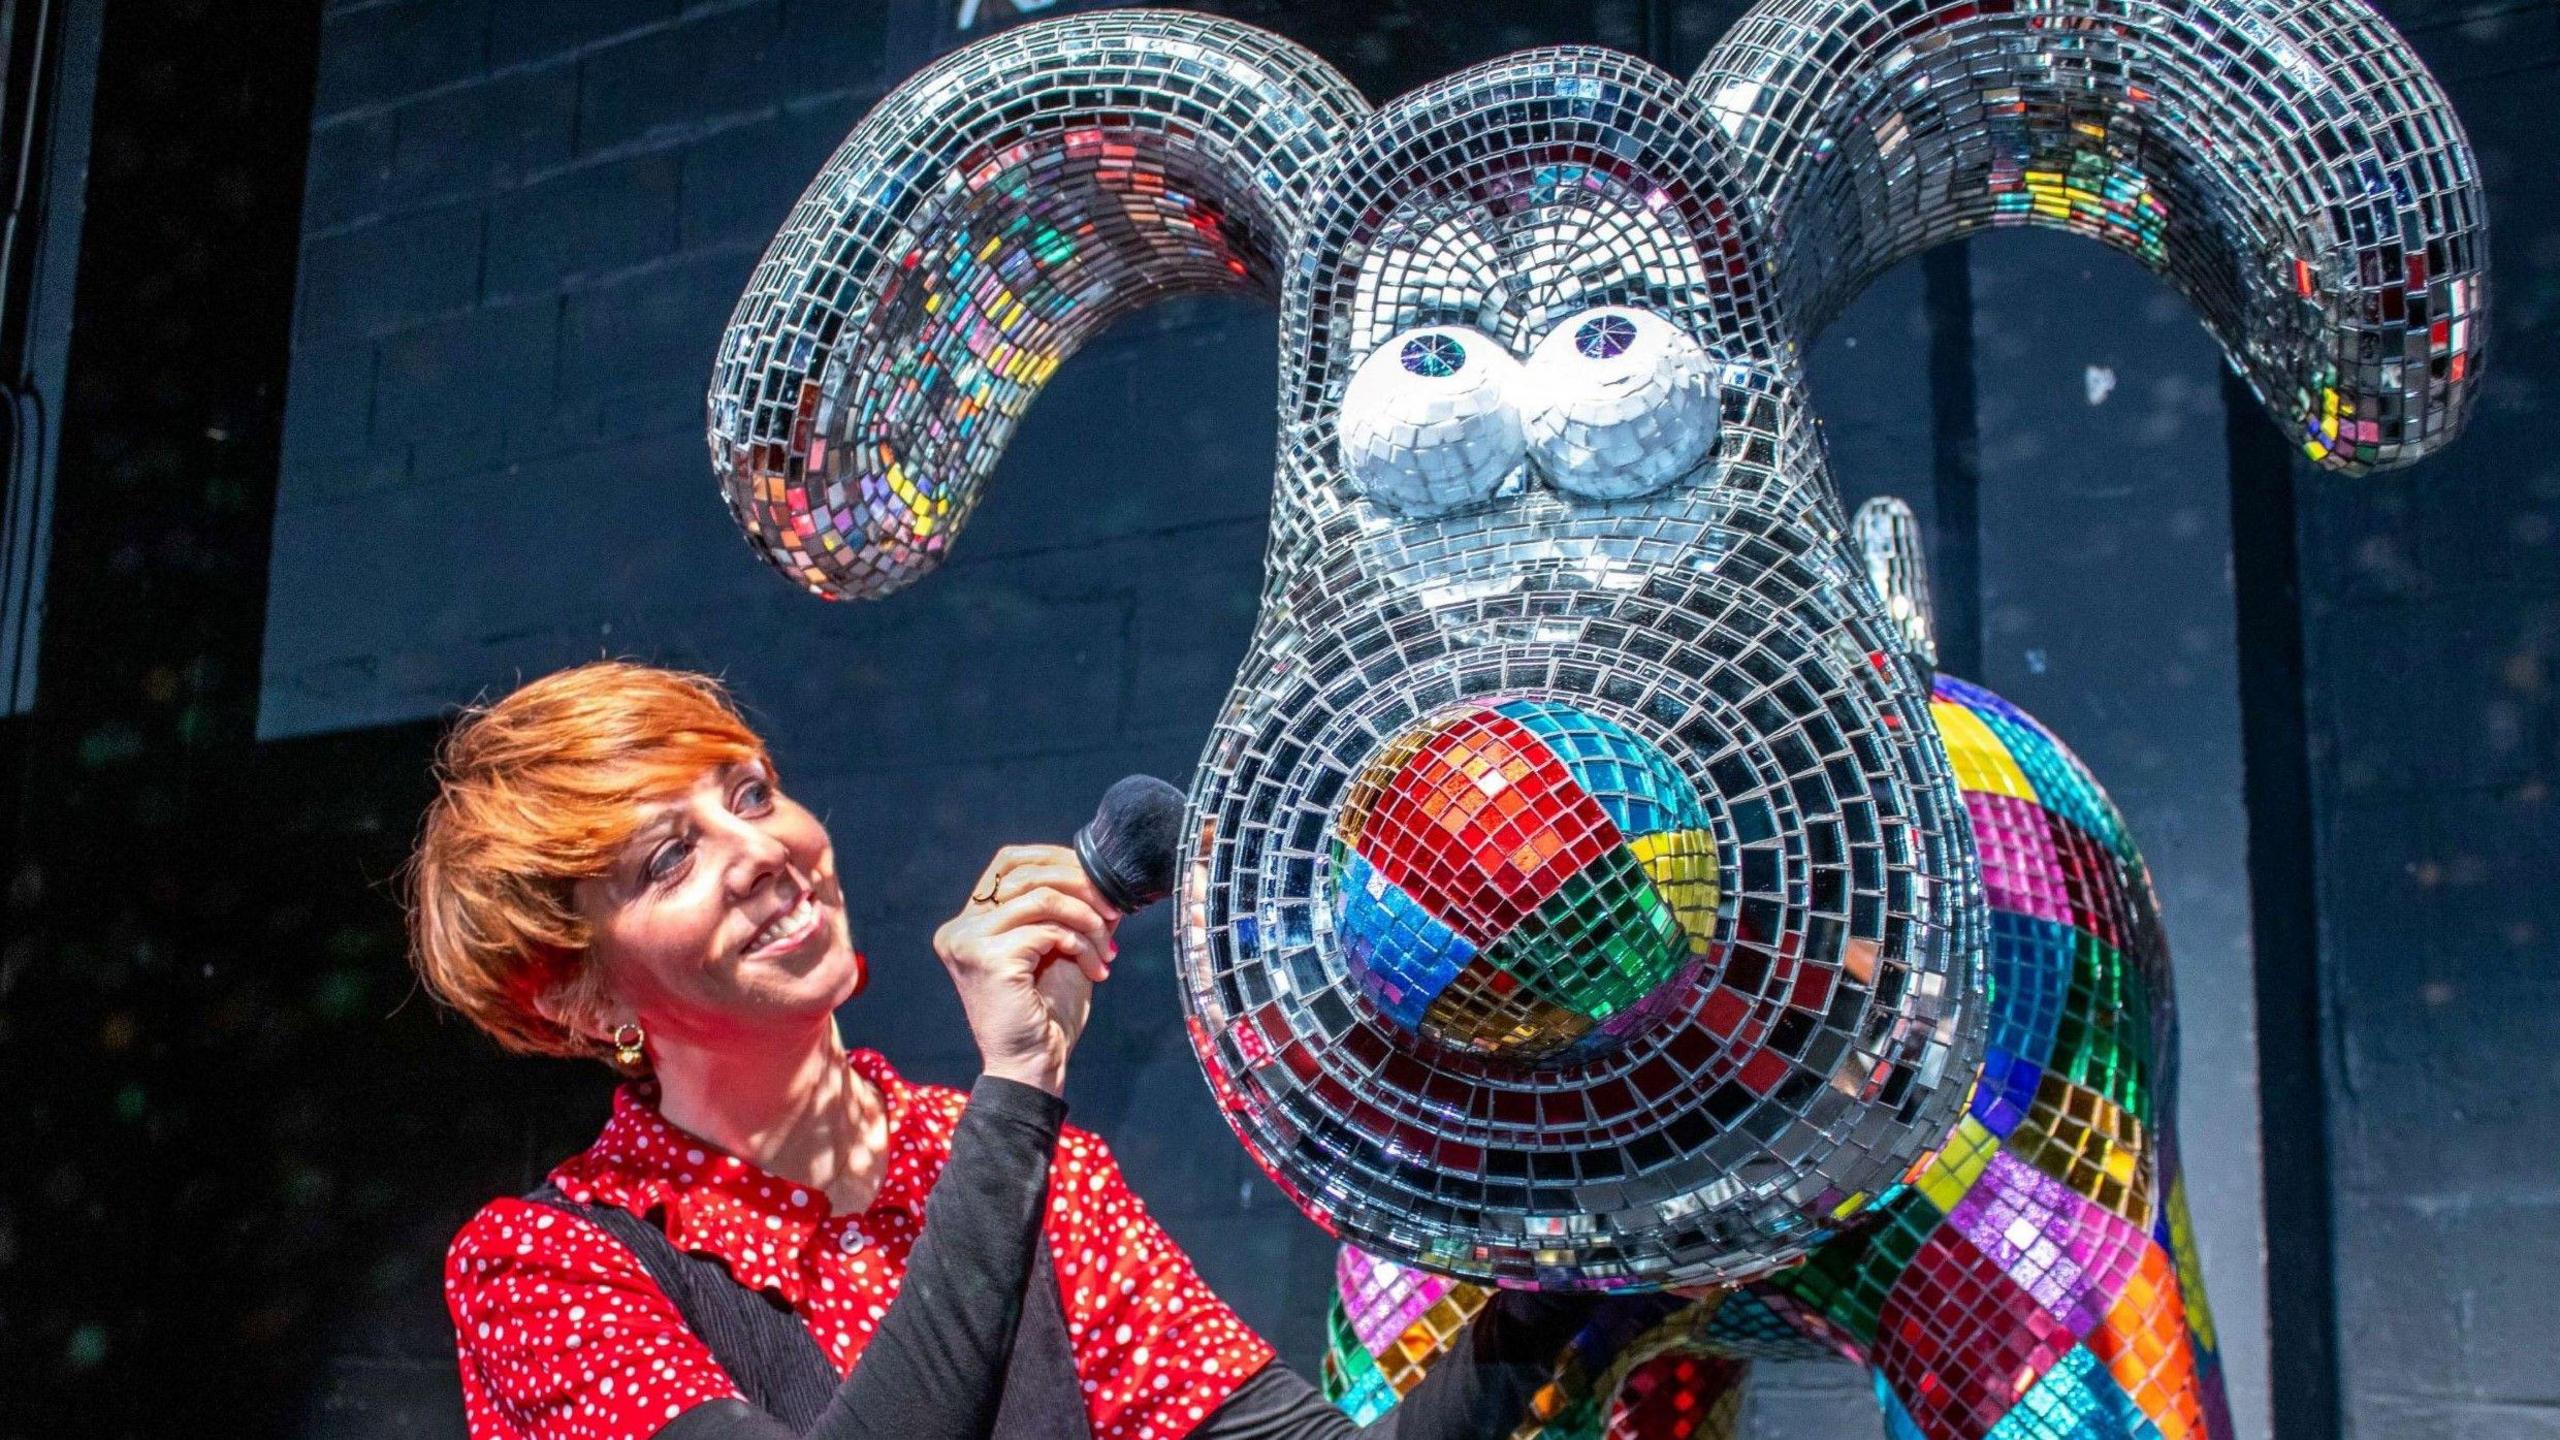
[[2025, 1282]]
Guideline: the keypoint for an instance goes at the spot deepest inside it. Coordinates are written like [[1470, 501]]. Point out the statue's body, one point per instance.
[[1584, 886], [2040, 1262]]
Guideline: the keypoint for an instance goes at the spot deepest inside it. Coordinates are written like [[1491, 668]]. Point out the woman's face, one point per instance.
[[722, 917]]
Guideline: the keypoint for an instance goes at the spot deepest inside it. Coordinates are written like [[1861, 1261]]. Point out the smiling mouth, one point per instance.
[[786, 930]]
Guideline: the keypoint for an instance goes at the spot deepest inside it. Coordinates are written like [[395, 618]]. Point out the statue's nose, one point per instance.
[[1523, 879]]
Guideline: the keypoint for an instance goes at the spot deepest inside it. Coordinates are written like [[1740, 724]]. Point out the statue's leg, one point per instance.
[[1679, 1395], [2157, 1340], [1646, 1368]]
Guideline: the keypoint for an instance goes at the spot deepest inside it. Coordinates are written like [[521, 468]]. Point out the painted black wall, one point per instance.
[[2431, 627]]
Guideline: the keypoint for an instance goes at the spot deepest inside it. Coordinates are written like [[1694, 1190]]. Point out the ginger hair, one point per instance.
[[533, 794]]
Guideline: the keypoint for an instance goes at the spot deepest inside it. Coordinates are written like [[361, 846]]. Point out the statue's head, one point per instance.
[[1577, 891]]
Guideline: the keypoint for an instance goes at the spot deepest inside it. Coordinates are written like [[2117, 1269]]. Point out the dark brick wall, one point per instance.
[[2432, 629], [524, 226]]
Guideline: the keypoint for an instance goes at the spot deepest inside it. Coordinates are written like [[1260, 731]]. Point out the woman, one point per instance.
[[610, 868]]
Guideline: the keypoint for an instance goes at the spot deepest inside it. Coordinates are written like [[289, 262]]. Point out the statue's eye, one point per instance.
[[1428, 422], [1617, 403], [1604, 337]]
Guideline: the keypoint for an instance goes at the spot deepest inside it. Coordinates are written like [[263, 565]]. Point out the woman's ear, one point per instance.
[[580, 1004], [548, 1005], [551, 1006]]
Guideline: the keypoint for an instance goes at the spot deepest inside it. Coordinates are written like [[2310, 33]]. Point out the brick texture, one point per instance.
[[2432, 629]]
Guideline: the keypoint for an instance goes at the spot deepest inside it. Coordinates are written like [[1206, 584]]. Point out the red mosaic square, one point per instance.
[[1960, 1341]]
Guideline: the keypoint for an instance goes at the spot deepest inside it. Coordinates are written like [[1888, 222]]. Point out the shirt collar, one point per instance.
[[711, 1202]]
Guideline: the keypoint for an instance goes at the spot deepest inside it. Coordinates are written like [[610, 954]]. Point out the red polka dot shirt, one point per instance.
[[563, 1336]]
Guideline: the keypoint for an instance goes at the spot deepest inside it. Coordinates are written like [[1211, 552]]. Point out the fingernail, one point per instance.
[[1111, 946]]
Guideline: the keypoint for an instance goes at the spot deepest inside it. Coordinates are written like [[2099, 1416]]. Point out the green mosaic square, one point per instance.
[[1846, 1282], [2104, 1041], [1602, 942]]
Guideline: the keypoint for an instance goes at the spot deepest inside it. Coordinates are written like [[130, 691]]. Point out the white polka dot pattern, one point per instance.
[[563, 1336]]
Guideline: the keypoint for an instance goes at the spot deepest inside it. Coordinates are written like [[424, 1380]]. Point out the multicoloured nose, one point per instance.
[[1523, 879]]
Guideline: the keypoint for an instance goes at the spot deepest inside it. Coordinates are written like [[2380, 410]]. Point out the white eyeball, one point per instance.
[[1619, 402], [1427, 422]]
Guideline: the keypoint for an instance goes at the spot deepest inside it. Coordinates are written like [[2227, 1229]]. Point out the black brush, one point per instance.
[[1128, 846]]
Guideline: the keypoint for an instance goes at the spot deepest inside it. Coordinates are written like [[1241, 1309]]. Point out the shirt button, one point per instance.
[[851, 1240]]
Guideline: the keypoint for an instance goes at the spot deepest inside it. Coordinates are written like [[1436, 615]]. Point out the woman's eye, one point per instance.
[[665, 861], [754, 795]]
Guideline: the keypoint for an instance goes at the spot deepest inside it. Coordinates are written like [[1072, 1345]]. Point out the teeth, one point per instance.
[[790, 925]]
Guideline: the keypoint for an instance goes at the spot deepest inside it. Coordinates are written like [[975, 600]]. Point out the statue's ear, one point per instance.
[[985, 219], [2290, 167], [1888, 540]]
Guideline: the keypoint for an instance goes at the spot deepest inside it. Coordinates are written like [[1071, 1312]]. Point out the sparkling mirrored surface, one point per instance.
[[1578, 890], [2035, 1276]]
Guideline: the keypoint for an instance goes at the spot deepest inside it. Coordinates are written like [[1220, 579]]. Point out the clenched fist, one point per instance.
[[1025, 954]]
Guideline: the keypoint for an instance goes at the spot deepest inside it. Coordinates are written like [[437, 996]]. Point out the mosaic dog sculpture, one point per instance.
[[1580, 888], [2037, 1276]]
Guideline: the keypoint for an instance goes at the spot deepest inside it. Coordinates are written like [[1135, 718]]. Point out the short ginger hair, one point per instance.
[[533, 794]]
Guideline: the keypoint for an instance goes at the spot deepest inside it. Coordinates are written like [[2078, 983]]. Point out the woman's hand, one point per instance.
[[1025, 954]]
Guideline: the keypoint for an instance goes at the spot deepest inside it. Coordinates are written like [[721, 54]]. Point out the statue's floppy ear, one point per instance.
[[984, 220], [2287, 164]]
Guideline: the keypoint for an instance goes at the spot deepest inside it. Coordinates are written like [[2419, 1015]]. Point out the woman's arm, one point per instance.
[[1025, 954], [530, 1289], [1480, 1390]]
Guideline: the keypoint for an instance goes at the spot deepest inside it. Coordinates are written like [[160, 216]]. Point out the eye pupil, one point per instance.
[[1435, 356], [1605, 337]]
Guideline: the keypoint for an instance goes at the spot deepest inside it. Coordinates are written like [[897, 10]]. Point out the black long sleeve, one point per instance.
[[936, 1368], [1480, 1390]]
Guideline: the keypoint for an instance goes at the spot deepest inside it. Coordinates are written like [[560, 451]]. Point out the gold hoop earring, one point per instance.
[[628, 1037]]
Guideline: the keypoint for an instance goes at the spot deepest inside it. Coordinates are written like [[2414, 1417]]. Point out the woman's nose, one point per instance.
[[755, 853]]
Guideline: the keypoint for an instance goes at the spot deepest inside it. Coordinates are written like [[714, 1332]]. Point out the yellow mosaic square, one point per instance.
[[1959, 1164], [2182, 1244], [1981, 762], [1682, 866], [2090, 1144]]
